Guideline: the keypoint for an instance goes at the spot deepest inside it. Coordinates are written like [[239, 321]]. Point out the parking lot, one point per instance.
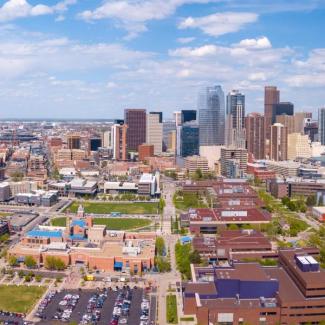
[[108, 306]]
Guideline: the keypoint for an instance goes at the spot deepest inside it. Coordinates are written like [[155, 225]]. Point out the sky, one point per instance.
[[93, 58]]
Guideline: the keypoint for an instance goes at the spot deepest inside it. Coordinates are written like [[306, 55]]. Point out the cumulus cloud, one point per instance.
[[205, 50], [219, 23], [13, 9], [255, 43], [132, 15]]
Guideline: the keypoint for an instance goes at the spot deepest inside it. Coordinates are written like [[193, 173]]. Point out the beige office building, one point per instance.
[[155, 131], [298, 146]]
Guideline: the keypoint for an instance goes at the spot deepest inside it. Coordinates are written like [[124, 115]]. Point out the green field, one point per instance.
[[110, 223], [19, 299], [107, 208]]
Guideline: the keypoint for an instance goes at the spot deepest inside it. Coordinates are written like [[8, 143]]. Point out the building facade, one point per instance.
[[211, 108], [255, 135], [135, 119], [235, 120], [155, 131], [279, 142]]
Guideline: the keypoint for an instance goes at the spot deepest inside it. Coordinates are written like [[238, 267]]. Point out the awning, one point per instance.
[[118, 265]]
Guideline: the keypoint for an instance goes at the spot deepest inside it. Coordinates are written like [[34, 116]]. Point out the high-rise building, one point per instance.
[[168, 127], [282, 108], [298, 146], [279, 142], [178, 118], [233, 162], [311, 129], [188, 115], [271, 97], [288, 121], [74, 141], [321, 125], [119, 140], [95, 143], [135, 119], [107, 139], [255, 135], [235, 120], [300, 121], [189, 139], [211, 108], [155, 131], [193, 163]]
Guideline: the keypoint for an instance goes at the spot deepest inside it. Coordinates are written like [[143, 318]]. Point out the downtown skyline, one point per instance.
[[92, 59]]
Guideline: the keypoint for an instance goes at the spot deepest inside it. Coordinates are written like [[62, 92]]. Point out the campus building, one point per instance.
[[83, 243], [291, 293]]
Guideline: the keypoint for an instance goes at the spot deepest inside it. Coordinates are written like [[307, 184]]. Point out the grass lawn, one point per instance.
[[171, 309], [108, 207], [187, 201], [5, 214], [111, 223], [19, 299]]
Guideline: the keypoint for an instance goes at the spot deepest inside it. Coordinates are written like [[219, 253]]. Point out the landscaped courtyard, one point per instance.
[[110, 223], [108, 207], [19, 299]]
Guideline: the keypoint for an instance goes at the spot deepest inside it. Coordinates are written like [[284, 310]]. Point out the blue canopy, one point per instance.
[[118, 265]]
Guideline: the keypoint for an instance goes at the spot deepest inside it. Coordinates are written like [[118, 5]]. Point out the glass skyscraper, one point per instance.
[[321, 125], [211, 108]]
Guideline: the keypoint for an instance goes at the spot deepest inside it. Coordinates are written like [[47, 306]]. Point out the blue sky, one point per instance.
[[92, 59]]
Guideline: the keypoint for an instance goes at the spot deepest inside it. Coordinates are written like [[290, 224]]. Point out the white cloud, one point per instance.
[[14, 9], [255, 43], [257, 76], [219, 23], [132, 15], [185, 40], [206, 50]]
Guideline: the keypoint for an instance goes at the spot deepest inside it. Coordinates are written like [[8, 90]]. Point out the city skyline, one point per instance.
[[82, 59]]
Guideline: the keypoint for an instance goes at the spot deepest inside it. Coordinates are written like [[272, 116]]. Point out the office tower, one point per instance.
[[271, 97], [155, 131], [119, 140], [188, 116], [172, 141], [279, 142], [311, 129], [288, 121], [235, 120], [298, 146], [300, 120], [193, 163], [73, 141], [135, 119], [321, 125], [95, 143], [189, 139], [178, 118], [107, 139], [255, 135], [282, 108], [168, 127], [233, 162], [211, 108]]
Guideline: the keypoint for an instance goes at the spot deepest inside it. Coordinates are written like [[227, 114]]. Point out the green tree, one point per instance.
[[21, 273], [54, 263], [160, 246], [195, 257], [4, 238], [30, 262], [311, 200], [13, 260]]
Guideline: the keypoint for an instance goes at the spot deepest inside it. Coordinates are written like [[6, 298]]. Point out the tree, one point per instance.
[[195, 257], [311, 200], [13, 260], [17, 176], [285, 200], [160, 246], [4, 238], [30, 262], [21, 273], [54, 263]]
